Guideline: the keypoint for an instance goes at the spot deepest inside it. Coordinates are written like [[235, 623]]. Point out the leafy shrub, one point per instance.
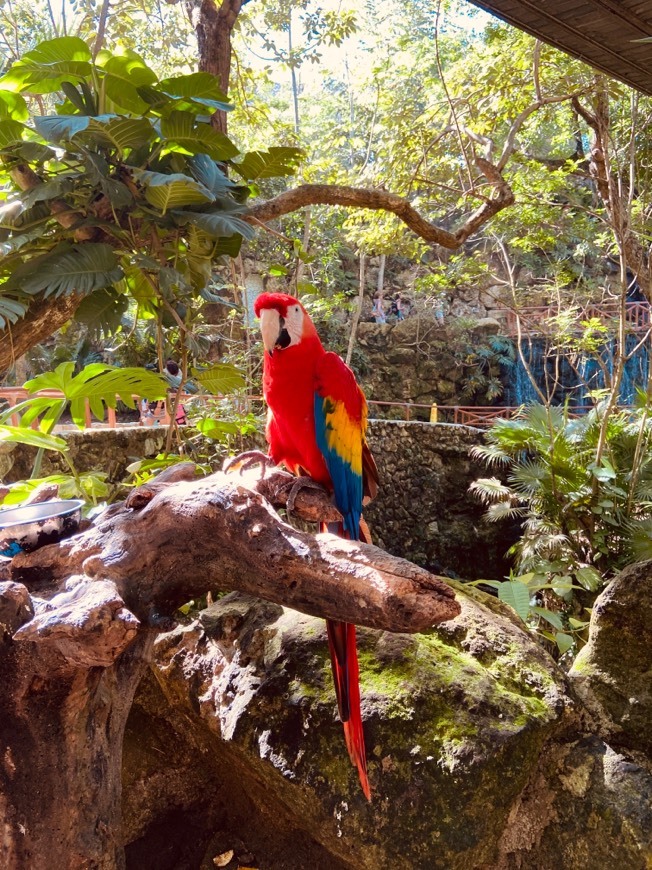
[[582, 489]]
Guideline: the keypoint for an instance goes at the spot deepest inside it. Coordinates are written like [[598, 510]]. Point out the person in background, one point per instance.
[[400, 308], [379, 310], [173, 375]]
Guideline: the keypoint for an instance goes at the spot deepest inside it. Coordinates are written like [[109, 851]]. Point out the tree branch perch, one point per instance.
[[218, 533]]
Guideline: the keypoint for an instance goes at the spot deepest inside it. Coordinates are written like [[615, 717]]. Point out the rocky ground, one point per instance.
[[482, 753]]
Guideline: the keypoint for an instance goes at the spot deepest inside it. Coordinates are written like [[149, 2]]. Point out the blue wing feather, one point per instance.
[[347, 482]]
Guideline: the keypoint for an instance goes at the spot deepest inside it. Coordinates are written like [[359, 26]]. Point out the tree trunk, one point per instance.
[[78, 621], [61, 734], [358, 309], [213, 25]]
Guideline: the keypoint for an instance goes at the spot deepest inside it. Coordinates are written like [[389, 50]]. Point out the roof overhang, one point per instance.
[[602, 33]]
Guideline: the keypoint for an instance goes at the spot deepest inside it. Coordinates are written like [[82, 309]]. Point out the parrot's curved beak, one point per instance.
[[272, 327]]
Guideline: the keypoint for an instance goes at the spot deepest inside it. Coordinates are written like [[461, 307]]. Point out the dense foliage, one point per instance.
[[582, 489]]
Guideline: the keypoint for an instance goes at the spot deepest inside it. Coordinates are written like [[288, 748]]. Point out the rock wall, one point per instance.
[[423, 511]]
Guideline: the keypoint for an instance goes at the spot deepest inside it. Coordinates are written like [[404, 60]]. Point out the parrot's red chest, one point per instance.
[[289, 387]]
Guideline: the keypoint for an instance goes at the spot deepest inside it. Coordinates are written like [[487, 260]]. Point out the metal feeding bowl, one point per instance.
[[32, 526]]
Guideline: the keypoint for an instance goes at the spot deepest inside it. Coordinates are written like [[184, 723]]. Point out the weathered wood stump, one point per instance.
[[78, 620]]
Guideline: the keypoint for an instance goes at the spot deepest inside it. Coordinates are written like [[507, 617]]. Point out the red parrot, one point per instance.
[[316, 424]]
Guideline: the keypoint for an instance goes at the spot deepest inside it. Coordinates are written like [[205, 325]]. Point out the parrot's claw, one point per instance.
[[297, 485], [247, 460]]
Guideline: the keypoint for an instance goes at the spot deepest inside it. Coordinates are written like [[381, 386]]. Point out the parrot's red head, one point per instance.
[[284, 322]]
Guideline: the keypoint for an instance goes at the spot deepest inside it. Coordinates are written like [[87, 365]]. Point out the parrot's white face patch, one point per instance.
[[294, 323], [281, 332]]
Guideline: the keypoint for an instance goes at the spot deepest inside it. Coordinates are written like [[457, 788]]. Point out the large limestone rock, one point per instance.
[[480, 756], [613, 673], [455, 721]]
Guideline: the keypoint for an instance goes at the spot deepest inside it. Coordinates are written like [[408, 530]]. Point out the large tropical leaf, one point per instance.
[[102, 385], [99, 171], [60, 128], [273, 163], [123, 75], [11, 132], [13, 106], [197, 137], [32, 437], [219, 379], [78, 268], [201, 87], [11, 309], [102, 311], [49, 190], [215, 224], [123, 97], [122, 133], [172, 191], [208, 173], [42, 69]]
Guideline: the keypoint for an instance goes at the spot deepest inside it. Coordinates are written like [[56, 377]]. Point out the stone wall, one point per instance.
[[423, 511]]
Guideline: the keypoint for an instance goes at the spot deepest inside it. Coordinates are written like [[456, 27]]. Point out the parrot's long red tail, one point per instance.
[[344, 662]]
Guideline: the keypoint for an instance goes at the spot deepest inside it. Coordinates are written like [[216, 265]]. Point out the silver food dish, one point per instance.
[[34, 525]]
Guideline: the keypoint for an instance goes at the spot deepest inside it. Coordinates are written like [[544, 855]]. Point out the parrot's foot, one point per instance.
[[247, 460], [299, 484]]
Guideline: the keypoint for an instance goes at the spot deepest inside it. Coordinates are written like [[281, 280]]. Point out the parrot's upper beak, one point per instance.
[[272, 327]]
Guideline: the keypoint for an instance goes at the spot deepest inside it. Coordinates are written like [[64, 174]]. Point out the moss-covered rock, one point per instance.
[[454, 720], [613, 673]]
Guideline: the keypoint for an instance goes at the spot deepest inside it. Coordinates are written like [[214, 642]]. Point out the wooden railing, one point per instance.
[[637, 316], [155, 413]]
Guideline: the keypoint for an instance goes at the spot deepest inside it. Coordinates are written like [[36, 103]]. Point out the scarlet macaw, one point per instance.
[[316, 423]]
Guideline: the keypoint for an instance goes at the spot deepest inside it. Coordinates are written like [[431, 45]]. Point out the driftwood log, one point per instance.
[[78, 620]]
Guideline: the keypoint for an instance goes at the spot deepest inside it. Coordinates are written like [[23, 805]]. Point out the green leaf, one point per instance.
[[171, 191], [13, 106], [550, 616], [274, 163], [217, 429], [74, 96], [216, 224], [102, 311], [277, 269], [219, 379], [122, 133], [11, 132], [33, 438], [59, 50], [117, 192], [101, 385], [11, 309], [564, 641], [78, 268], [517, 595], [129, 66], [578, 623], [208, 173], [122, 95], [60, 128], [42, 69], [228, 246], [136, 284], [589, 578], [202, 87], [48, 190], [196, 137]]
